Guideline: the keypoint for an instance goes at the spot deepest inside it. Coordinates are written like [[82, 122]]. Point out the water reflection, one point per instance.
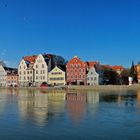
[[76, 105], [41, 107], [33, 106], [93, 99], [127, 98], [79, 103]]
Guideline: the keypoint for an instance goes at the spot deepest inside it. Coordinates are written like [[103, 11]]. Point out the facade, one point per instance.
[[138, 72], [12, 80], [26, 71], [76, 72], [2, 76], [40, 70], [57, 77], [33, 70], [92, 77], [8, 76]]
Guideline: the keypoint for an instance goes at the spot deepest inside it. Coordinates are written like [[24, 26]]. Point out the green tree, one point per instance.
[[133, 72], [124, 76], [111, 77]]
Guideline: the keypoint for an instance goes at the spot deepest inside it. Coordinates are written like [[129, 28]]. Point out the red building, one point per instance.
[[76, 72]]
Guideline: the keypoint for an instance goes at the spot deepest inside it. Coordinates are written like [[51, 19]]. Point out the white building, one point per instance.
[[2, 76], [40, 70], [92, 77], [33, 70]]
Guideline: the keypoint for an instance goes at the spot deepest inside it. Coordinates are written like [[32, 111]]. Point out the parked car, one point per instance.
[[44, 84]]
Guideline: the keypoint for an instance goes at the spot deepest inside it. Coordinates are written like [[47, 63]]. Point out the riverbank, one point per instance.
[[106, 87], [83, 87]]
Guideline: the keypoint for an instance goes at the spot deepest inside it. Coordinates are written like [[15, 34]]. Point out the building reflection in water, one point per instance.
[[138, 98], [39, 107], [57, 102], [7, 98], [76, 105], [3, 102], [33, 106], [93, 101]]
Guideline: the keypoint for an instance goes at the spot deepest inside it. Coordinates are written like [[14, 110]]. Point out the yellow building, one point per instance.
[[57, 77]]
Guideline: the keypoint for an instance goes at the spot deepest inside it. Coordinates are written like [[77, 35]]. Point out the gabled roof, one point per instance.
[[59, 67], [91, 64], [75, 59]]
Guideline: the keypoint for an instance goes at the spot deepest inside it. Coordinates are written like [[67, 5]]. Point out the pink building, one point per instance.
[[76, 72], [12, 79]]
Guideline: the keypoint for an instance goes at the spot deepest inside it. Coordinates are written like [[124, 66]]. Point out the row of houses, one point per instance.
[[53, 70]]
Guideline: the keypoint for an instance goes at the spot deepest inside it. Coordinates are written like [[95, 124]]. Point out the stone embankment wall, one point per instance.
[[106, 87]]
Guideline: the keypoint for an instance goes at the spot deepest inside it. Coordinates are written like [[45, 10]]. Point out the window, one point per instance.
[[36, 66], [42, 65], [36, 71], [95, 78], [36, 77]]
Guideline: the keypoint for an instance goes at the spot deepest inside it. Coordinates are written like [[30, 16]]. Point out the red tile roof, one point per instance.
[[91, 64], [117, 67], [30, 58]]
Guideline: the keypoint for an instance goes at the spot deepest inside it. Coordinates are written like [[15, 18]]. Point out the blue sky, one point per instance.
[[104, 30]]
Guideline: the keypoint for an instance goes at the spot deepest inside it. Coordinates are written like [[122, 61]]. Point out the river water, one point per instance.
[[73, 115]]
